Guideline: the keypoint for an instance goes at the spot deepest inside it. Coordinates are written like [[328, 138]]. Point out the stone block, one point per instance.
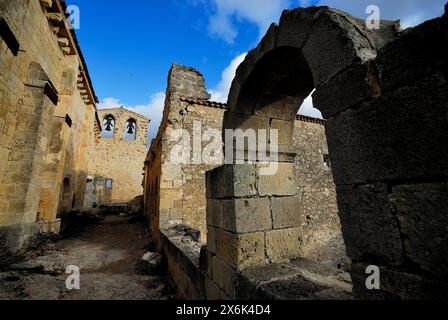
[[285, 130], [283, 183], [423, 216], [231, 181], [278, 107], [246, 215], [283, 245], [392, 137], [369, 227], [287, 212], [245, 122], [224, 276], [331, 29], [414, 54], [211, 239], [363, 81], [214, 212], [212, 290], [240, 251], [295, 26]]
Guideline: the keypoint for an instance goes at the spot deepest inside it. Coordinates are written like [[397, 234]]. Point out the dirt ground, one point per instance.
[[105, 249]]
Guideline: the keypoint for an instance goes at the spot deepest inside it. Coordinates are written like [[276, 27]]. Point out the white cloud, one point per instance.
[[307, 108], [223, 21], [261, 13], [153, 109], [221, 92]]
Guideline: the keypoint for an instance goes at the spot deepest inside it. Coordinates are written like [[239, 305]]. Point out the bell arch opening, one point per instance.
[[108, 127], [130, 133]]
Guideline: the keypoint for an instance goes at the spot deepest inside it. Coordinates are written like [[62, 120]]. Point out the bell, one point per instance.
[[108, 125], [130, 128]]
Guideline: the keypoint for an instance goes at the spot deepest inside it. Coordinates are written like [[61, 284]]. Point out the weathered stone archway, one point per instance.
[[380, 142]]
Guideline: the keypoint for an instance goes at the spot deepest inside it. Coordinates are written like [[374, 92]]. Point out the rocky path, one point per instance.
[[106, 253]]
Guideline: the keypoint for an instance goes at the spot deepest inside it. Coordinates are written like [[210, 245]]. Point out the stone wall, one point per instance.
[[119, 159], [176, 183], [48, 110], [384, 95], [176, 195], [321, 236]]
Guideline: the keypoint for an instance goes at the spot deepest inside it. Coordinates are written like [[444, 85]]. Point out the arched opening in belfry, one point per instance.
[[108, 127], [130, 132]]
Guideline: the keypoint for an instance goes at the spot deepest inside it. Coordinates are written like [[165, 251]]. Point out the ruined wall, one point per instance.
[[37, 50], [175, 193], [391, 169], [384, 95], [179, 185], [118, 159], [321, 236], [198, 120]]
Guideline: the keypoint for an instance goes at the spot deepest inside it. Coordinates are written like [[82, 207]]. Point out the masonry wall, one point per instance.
[[177, 184], [176, 195], [118, 159], [40, 84], [384, 95], [321, 235]]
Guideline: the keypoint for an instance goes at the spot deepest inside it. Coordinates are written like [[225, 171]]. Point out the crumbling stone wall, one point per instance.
[[384, 95], [175, 193], [321, 236], [178, 185], [118, 159], [43, 76]]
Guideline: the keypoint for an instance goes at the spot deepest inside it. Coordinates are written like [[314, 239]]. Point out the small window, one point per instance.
[[108, 183], [68, 120], [327, 161]]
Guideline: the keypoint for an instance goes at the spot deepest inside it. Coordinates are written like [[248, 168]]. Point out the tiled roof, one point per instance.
[[310, 119], [206, 103], [219, 105]]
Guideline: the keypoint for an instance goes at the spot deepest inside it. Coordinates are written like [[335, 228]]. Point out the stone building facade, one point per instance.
[[115, 171], [174, 185], [176, 196], [47, 119]]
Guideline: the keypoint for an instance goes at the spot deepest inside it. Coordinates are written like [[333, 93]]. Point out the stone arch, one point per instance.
[[314, 48], [283, 70]]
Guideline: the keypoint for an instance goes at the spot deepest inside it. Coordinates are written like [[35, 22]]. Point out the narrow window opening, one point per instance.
[[108, 184], [327, 161]]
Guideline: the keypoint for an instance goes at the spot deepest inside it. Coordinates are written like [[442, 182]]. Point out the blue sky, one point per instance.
[[129, 46]]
